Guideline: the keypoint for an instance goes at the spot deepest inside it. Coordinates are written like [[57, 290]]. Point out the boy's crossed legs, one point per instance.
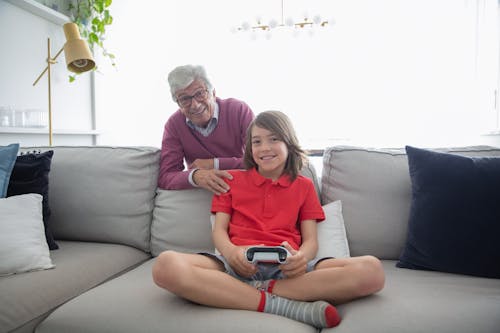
[[202, 279], [334, 280]]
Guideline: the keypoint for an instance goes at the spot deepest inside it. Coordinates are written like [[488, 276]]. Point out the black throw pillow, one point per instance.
[[31, 175], [454, 223]]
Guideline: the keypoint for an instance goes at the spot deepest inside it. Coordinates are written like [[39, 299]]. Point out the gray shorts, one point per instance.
[[265, 271]]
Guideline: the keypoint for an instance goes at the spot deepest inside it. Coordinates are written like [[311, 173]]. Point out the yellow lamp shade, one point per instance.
[[78, 56]]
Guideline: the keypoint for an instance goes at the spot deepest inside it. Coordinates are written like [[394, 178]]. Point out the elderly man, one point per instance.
[[207, 132]]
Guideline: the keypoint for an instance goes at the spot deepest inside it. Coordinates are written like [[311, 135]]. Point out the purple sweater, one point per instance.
[[226, 142]]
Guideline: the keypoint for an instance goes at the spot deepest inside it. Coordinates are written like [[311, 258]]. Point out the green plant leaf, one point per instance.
[[93, 38], [108, 19], [98, 6], [100, 27]]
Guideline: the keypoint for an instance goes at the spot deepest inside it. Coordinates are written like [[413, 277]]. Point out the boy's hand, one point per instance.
[[296, 264], [239, 263]]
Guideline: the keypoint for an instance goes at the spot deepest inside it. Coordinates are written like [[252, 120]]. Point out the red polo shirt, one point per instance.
[[265, 211]]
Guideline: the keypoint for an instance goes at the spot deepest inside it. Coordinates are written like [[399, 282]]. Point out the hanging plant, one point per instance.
[[92, 17]]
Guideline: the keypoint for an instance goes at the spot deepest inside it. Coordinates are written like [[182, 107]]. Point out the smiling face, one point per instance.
[[269, 152], [197, 103]]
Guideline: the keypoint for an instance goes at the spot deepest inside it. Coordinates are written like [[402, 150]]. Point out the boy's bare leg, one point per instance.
[[335, 280], [201, 279]]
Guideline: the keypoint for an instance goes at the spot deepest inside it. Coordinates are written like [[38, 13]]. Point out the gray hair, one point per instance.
[[182, 76]]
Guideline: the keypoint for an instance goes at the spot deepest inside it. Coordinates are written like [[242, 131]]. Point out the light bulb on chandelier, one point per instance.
[[296, 26]]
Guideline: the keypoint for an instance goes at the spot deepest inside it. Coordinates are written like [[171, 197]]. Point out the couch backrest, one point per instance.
[[375, 188], [181, 219], [103, 194]]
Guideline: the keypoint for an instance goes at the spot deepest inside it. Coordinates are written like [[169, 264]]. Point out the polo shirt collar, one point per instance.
[[259, 180]]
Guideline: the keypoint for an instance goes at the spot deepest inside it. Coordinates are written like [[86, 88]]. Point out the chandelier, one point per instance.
[[305, 24]]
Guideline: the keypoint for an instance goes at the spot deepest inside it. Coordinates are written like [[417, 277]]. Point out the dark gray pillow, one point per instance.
[[454, 222], [31, 175]]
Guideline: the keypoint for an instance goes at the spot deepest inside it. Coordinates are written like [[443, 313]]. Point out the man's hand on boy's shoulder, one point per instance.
[[212, 180]]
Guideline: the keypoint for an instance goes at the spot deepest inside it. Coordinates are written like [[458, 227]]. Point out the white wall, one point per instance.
[[23, 40], [364, 90], [374, 79], [132, 99]]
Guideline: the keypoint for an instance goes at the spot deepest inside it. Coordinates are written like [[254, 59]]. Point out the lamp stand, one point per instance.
[[50, 61], [78, 60]]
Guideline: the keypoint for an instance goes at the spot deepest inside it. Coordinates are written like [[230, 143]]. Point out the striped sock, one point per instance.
[[319, 314]]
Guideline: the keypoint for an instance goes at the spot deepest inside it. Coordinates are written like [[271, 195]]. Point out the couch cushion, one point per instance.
[[181, 221], [424, 301], [309, 171], [23, 247], [332, 238], [133, 303], [7, 160], [31, 175], [103, 194], [27, 298], [412, 301], [455, 214], [375, 189]]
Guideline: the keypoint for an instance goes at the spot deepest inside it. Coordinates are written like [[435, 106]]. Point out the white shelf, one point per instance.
[[41, 10], [492, 133], [45, 130]]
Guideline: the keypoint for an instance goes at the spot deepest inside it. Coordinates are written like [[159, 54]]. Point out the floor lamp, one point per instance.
[[78, 60]]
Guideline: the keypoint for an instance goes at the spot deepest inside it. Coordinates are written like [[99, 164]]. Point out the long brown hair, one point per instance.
[[280, 125]]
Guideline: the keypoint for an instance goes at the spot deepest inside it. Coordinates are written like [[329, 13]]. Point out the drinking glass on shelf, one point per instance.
[[19, 118], [4, 121], [34, 118], [6, 116]]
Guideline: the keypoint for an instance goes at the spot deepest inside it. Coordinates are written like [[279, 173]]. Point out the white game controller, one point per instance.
[[268, 254]]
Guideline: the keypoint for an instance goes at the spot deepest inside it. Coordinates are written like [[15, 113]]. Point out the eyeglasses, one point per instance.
[[186, 100]]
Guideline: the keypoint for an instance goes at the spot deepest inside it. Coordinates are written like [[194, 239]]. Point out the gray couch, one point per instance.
[[110, 221]]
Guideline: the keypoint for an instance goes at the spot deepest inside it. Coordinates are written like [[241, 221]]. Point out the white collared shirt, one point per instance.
[[205, 131]]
